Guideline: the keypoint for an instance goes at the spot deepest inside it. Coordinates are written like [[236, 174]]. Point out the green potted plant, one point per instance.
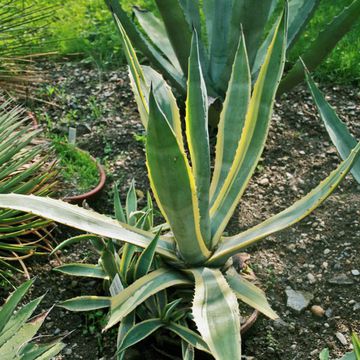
[[81, 175]]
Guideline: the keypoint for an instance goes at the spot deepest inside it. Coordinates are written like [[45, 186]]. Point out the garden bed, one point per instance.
[[313, 256]]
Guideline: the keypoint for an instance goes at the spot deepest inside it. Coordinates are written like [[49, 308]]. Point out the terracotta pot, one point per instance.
[[102, 175], [250, 321], [33, 119], [93, 192]]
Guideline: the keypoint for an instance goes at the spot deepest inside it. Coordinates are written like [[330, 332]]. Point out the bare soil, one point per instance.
[[307, 257]]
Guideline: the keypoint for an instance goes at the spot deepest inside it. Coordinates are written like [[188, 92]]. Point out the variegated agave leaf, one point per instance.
[[337, 130], [18, 328]]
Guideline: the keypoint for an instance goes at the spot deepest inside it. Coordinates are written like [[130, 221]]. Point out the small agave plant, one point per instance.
[[17, 331], [197, 202], [120, 267]]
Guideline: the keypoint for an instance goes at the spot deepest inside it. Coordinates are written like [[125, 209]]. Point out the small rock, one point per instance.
[[68, 351], [279, 323], [317, 310], [298, 300], [264, 181], [325, 265], [328, 312], [326, 251], [341, 338], [355, 272], [341, 279], [314, 352], [49, 325], [57, 331], [292, 327], [311, 278], [356, 307]]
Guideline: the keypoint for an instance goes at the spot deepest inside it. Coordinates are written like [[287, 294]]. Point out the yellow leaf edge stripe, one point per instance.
[[219, 148], [133, 62], [245, 139], [195, 205], [201, 297]]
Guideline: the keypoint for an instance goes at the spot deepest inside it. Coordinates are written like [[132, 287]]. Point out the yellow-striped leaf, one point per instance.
[[86, 270], [86, 220], [254, 133], [127, 300], [173, 185], [198, 136], [139, 332], [250, 294], [165, 99], [146, 48], [216, 314], [337, 130], [155, 29], [300, 209], [119, 211], [125, 325], [145, 260], [232, 119], [137, 75], [95, 240], [141, 79], [188, 336]]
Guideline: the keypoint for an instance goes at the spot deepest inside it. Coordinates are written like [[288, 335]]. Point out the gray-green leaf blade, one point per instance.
[[216, 314], [337, 130]]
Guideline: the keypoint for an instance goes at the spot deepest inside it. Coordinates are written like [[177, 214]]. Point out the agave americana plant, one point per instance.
[[197, 203], [167, 42], [16, 332]]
